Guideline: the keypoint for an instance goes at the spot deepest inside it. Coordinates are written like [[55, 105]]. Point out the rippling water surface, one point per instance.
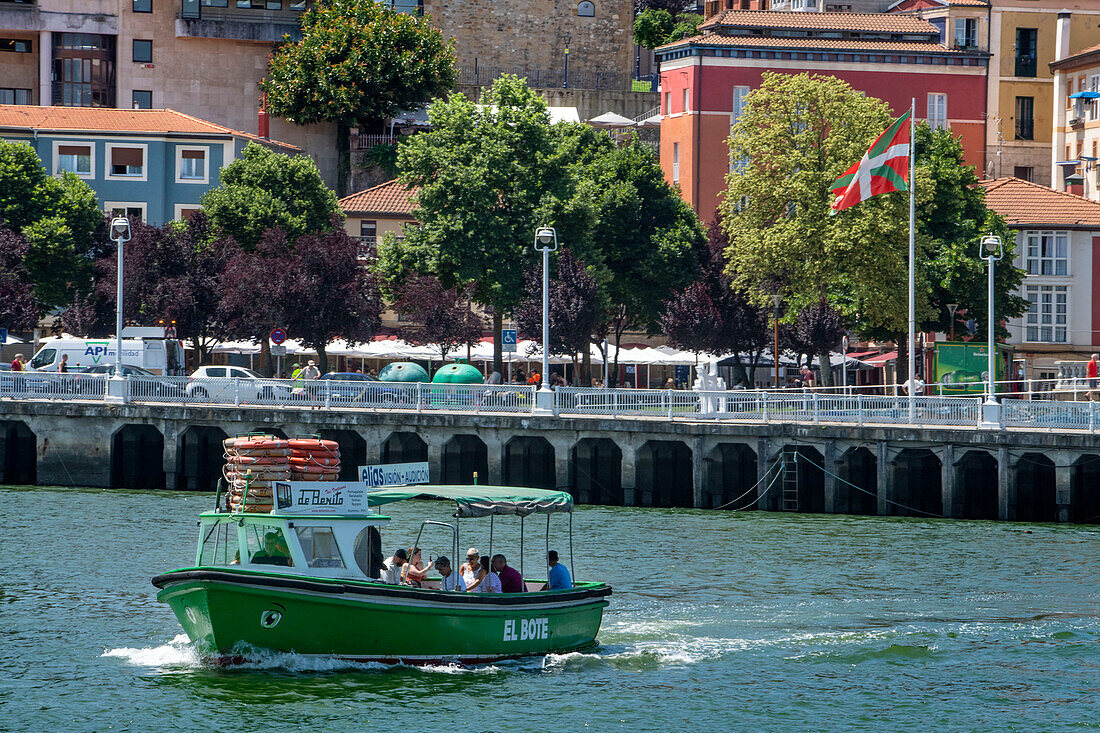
[[719, 622]]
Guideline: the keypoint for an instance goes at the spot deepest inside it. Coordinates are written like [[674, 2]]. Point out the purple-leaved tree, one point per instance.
[[436, 316], [18, 304]]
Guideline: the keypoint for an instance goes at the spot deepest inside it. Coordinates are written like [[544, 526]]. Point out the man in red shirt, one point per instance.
[[1090, 373], [17, 363], [510, 579]]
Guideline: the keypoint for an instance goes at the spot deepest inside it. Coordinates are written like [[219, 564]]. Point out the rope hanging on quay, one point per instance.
[[869, 493]]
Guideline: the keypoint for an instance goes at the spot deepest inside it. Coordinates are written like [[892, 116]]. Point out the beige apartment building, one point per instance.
[[1077, 123]]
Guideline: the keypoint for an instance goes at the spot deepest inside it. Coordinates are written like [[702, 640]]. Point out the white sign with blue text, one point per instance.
[[394, 474], [320, 498]]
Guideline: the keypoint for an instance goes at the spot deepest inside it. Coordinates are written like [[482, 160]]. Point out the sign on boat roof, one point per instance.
[[482, 501]]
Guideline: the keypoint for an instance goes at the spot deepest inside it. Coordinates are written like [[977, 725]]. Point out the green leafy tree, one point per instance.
[[656, 27], [487, 177], [264, 190], [60, 219], [357, 63]]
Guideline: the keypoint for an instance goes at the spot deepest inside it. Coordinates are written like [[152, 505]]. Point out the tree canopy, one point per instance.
[[60, 220], [437, 316], [656, 27], [358, 62], [264, 190]]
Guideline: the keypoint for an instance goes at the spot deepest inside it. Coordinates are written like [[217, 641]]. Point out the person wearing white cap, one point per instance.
[[311, 371], [473, 573]]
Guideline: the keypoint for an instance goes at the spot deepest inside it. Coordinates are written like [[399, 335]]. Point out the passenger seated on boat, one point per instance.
[[510, 579], [274, 552], [391, 568], [558, 576], [472, 572], [492, 580], [414, 569], [449, 579]]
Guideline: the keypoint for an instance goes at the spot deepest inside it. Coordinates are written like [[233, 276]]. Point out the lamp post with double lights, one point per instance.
[[120, 233], [546, 241], [992, 250], [951, 308]]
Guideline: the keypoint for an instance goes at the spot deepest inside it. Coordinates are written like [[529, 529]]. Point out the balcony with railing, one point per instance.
[[228, 19]]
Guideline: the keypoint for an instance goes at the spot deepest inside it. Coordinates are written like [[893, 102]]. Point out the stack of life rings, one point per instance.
[[313, 459], [253, 464]]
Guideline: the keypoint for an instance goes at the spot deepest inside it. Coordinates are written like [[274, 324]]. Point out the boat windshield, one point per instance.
[[267, 546], [219, 545], [319, 547]]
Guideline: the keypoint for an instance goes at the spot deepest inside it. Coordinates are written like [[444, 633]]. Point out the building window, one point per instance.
[[191, 165], [15, 96], [15, 45], [143, 52], [143, 6], [184, 212], [125, 161], [74, 159], [740, 97], [966, 32], [133, 209], [1026, 46], [668, 103], [142, 99], [299, 5], [675, 162], [687, 100], [1047, 253], [1024, 172], [215, 3], [1025, 118], [1047, 318], [937, 111], [585, 9], [368, 231]]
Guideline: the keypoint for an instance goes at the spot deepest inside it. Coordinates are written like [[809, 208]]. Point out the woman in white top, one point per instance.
[[491, 584], [472, 572]]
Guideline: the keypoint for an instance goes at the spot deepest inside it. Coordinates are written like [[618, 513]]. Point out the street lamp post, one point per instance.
[[120, 233], [546, 241], [951, 308], [991, 251], [776, 299]]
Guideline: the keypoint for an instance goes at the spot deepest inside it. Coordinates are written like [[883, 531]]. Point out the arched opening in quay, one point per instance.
[[801, 480], [976, 486], [664, 475], [262, 430], [731, 477], [529, 461], [137, 458], [201, 456], [1085, 490], [19, 465], [596, 472], [463, 456], [353, 452], [860, 467], [917, 485], [1036, 489], [404, 448]]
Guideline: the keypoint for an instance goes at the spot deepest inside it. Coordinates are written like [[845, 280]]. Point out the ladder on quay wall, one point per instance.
[[790, 481]]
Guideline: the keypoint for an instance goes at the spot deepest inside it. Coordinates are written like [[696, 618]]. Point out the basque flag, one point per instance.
[[883, 168]]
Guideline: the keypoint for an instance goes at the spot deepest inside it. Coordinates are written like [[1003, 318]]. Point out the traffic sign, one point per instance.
[[278, 350], [3, 335], [278, 336], [508, 339]]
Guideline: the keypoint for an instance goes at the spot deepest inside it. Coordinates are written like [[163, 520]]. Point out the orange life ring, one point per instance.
[[319, 453], [261, 452], [314, 471], [257, 460], [314, 461], [313, 444], [258, 476]]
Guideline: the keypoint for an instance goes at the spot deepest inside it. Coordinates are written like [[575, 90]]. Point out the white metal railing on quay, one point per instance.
[[1051, 415], [613, 402], [52, 386]]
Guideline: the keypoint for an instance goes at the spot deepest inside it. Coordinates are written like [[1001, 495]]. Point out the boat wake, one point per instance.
[[175, 655]]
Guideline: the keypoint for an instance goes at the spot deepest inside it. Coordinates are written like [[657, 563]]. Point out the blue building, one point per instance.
[[152, 163]]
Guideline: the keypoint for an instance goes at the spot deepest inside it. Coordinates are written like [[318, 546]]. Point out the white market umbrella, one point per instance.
[[611, 120]]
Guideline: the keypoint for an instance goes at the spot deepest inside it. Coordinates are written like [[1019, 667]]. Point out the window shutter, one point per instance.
[[128, 156], [74, 150], [194, 154]]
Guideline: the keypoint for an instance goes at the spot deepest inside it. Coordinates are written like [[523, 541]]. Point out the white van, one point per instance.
[[158, 355]]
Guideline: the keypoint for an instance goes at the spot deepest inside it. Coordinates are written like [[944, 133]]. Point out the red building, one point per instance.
[[706, 79]]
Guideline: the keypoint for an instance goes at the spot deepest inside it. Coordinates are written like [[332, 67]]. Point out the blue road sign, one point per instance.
[[278, 336], [3, 335], [508, 339]]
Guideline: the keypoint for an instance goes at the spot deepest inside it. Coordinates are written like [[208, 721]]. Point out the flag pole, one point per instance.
[[912, 257]]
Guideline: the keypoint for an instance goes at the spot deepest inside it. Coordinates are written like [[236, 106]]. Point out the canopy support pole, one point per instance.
[[572, 570], [521, 547], [548, 550], [491, 518]]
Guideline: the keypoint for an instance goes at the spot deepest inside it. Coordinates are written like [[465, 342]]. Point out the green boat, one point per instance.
[[304, 578]]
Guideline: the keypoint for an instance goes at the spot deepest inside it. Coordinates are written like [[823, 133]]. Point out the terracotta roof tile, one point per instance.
[[390, 197], [1023, 203], [822, 44], [868, 22], [1079, 56], [106, 119]]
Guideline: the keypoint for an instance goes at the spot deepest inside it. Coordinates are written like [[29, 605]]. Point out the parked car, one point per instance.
[[353, 387], [220, 384], [154, 386]]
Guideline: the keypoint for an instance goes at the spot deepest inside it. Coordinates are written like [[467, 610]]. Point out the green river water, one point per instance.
[[719, 622]]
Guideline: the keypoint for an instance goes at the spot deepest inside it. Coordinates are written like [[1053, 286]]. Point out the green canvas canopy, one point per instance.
[[481, 501]]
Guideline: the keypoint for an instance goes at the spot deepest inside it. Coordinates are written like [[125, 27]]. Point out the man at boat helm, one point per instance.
[[449, 579], [272, 553], [391, 570]]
